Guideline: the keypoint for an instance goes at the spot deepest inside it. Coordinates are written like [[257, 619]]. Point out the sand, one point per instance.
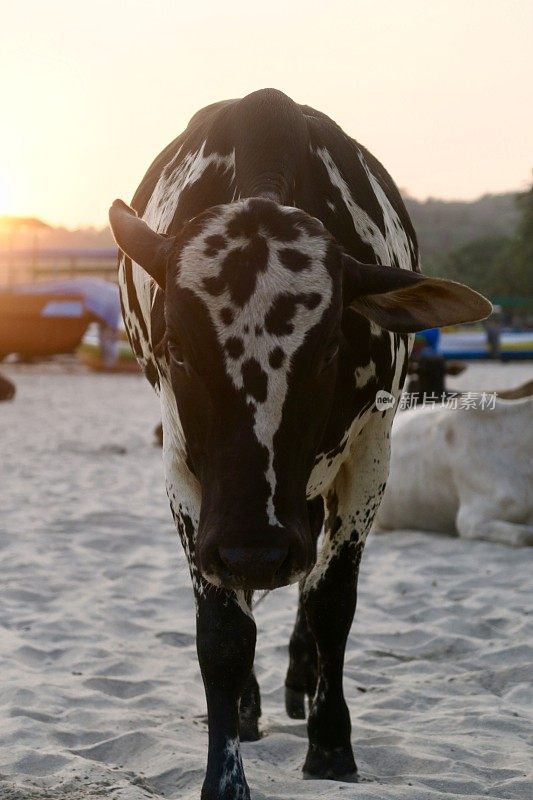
[[101, 694]]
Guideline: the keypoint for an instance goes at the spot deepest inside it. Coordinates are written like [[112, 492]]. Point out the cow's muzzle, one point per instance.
[[263, 564]]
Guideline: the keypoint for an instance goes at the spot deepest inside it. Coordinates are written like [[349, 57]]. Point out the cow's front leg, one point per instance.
[[226, 644], [329, 606], [250, 710], [302, 672], [330, 593]]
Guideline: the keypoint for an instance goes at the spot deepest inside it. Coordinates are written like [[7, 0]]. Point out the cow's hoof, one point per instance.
[[230, 791], [249, 729], [334, 765], [295, 703]]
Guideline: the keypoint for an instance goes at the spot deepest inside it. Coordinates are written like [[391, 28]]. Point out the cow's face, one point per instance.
[[254, 294], [253, 305]]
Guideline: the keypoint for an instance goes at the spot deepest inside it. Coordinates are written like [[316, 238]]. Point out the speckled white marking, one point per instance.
[[395, 234], [364, 374], [232, 772], [365, 227], [356, 489], [394, 246]]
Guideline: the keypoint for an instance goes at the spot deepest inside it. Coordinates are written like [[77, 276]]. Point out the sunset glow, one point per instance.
[[4, 197], [91, 92]]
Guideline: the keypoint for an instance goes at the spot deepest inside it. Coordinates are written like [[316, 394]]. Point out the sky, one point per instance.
[[438, 90]]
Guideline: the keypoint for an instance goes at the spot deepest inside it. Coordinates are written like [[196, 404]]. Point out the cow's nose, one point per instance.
[[255, 567]]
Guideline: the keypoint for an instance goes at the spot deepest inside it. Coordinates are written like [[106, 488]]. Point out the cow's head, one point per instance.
[[254, 295]]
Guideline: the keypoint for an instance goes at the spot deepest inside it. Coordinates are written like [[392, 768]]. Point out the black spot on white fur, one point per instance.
[[214, 244], [240, 268], [276, 358], [294, 259], [227, 316], [255, 380], [278, 321], [235, 347], [264, 215]]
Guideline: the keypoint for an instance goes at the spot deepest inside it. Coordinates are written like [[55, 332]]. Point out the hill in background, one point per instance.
[[445, 225], [441, 225]]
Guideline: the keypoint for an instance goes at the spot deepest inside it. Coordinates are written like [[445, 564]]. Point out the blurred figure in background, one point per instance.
[[109, 344], [7, 388], [493, 328], [427, 366]]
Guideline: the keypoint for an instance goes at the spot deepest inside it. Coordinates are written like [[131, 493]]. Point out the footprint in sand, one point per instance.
[[122, 689], [176, 638]]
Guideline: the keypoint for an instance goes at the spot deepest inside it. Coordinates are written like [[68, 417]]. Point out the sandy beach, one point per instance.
[[101, 694]]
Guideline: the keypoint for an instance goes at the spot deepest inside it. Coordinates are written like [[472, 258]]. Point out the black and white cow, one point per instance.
[[269, 284]]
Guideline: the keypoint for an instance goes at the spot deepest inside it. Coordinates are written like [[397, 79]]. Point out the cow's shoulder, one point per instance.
[[350, 191], [191, 160], [392, 192]]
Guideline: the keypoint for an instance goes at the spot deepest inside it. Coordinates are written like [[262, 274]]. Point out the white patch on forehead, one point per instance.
[[248, 323]]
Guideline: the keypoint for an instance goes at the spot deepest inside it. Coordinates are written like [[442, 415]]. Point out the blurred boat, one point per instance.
[[41, 324], [472, 344], [51, 317], [105, 355]]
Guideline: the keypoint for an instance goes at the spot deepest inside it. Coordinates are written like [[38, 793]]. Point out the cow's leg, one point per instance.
[[250, 703], [226, 636], [329, 598], [302, 672], [250, 710], [330, 608], [225, 642], [494, 530]]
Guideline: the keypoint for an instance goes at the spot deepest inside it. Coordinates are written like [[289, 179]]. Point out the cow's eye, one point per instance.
[[175, 353]]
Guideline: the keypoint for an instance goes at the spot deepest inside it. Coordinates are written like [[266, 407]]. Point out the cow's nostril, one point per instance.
[[254, 567], [242, 557]]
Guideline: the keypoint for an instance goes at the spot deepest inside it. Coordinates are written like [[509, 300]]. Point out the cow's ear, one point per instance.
[[405, 302], [143, 245]]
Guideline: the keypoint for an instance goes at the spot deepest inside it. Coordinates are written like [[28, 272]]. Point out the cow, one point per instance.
[[428, 383], [517, 392], [270, 282], [473, 476]]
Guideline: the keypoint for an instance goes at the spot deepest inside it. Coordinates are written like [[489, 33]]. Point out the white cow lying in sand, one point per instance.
[[463, 470]]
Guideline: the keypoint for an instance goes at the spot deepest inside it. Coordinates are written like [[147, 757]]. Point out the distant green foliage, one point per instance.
[[445, 225], [524, 241], [498, 261], [487, 265]]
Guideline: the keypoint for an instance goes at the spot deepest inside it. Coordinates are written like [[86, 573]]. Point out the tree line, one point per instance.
[[498, 261]]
